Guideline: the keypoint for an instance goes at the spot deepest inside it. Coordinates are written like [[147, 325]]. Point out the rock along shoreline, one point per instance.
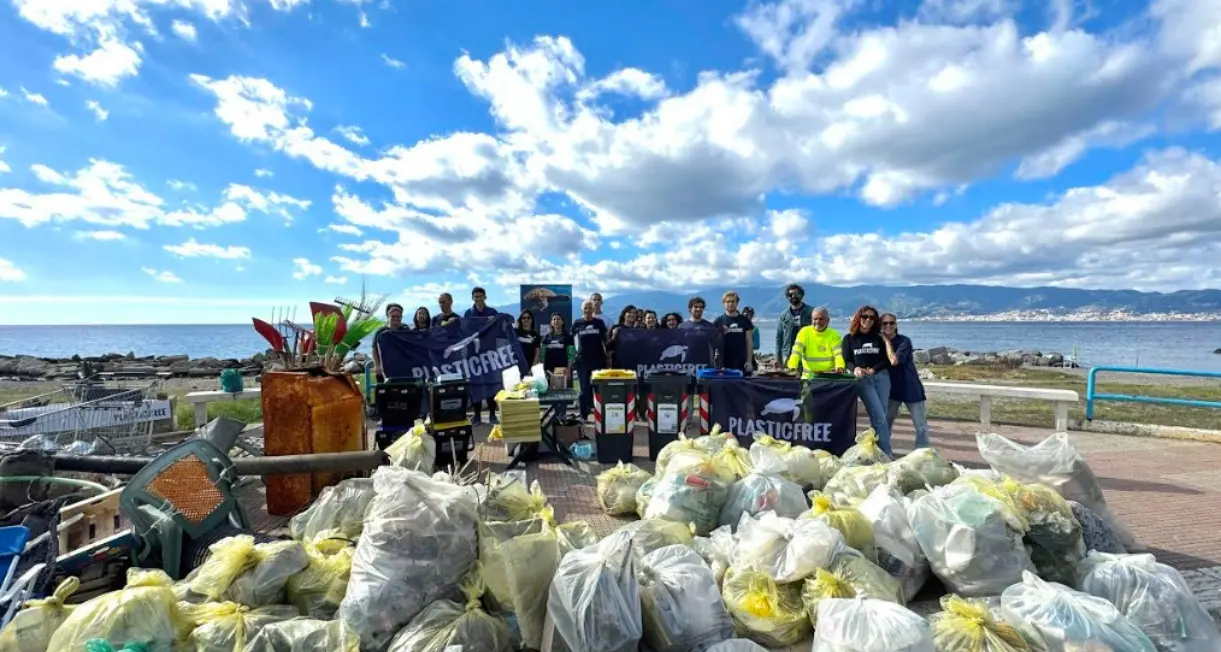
[[129, 365]]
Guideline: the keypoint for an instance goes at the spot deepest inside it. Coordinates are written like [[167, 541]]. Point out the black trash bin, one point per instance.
[[614, 414], [400, 402], [454, 441], [667, 394], [448, 400]]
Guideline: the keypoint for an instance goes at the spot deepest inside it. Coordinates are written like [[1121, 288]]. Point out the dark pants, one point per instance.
[[491, 402], [585, 371]]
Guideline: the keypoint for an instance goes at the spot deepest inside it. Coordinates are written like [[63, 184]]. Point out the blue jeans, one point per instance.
[[875, 394], [919, 414]]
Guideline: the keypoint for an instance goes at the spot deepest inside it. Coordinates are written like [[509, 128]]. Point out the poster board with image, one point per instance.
[[544, 300]]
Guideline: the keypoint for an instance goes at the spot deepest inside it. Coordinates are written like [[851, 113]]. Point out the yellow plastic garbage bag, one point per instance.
[[967, 625], [692, 494], [228, 626], [508, 499], [617, 488], [804, 467], [416, 449], [849, 576], [145, 610], [317, 591], [444, 623], [857, 531], [239, 570], [854, 483], [644, 494], [866, 451], [683, 443], [306, 635], [923, 468], [767, 613], [733, 459], [715, 440], [829, 464], [31, 628]]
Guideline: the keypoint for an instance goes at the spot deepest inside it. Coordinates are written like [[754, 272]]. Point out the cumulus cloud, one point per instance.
[[163, 276], [336, 280], [266, 202], [303, 268], [193, 249], [9, 272], [34, 98], [98, 112], [100, 236], [185, 30]]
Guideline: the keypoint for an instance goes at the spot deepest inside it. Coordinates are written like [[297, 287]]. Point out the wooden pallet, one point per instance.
[[86, 522]]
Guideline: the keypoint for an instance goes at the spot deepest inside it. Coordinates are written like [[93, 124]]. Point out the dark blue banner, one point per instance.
[[665, 349], [477, 348], [822, 416]]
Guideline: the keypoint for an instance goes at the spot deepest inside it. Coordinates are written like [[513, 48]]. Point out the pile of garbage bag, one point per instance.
[[866, 451], [729, 556]]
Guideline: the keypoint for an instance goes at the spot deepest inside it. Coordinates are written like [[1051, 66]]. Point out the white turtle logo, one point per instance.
[[783, 406], [675, 351], [462, 344]]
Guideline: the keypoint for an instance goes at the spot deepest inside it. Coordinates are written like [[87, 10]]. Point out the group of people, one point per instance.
[[873, 350]]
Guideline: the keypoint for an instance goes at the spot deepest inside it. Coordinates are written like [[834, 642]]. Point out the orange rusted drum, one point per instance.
[[308, 412]]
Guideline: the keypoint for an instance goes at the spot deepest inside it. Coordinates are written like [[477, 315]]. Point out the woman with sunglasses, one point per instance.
[[869, 357], [905, 386]]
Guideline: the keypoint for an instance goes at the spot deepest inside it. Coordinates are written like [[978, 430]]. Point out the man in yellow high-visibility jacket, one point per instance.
[[817, 349]]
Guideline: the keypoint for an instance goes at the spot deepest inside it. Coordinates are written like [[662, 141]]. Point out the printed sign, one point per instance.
[[665, 349], [477, 348], [824, 418], [545, 300], [66, 417]]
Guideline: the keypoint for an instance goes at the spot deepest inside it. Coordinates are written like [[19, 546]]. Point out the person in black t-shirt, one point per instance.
[[737, 351], [627, 319], [671, 320], [527, 335], [590, 335], [869, 357], [555, 348]]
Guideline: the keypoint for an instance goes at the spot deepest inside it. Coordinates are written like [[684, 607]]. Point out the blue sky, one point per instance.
[[195, 161]]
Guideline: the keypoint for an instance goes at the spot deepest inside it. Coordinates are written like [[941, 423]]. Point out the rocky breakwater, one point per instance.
[[24, 367], [944, 355]]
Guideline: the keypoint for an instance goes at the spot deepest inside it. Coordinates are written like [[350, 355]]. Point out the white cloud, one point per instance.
[[193, 249], [4, 166], [9, 272], [184, 30], [103, 193], [270, 202], [34, 98], [3, 93], [346, 229], [392, 62], [105, 66], [303, 268], [176, 184], [164, 276], [287, 5], [98, 112], [354, 135], [336, 280], [263, 173], [100, 236]]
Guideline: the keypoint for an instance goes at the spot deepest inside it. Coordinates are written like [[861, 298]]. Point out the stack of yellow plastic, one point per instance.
[[519, 418]]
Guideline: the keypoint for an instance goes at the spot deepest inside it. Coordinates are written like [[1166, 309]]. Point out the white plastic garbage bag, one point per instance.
[[898, 551], [970, 540], [1057, 464], [594, 600], [419, 541], [338, 508], [869, 625], [785, 549], [1155, 598], [737, 645], [854, 483], [718, 549], [680, 601], [691, 493], [764, 489], [1068, 620], [444, 623]]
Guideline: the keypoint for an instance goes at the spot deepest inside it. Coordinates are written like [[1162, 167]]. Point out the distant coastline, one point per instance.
[[1046, 316]]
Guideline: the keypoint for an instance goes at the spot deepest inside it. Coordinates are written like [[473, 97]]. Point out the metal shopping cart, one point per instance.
[[86, 417]]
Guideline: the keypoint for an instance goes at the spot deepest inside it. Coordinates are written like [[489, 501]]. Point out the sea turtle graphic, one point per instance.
[[540, 296], [783, 406], [675, 351], [462, 344]]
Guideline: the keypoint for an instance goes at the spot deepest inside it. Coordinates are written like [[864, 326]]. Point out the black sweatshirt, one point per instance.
[[866, 350]]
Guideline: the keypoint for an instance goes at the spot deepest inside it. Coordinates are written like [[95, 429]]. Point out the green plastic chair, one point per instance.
[[182, 502]]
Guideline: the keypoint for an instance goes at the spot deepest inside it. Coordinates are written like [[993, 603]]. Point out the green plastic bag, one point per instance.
[[231, 381]]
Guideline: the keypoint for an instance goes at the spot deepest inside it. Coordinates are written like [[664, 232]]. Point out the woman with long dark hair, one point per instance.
[[905, 386], [422, 320], [627, 319], [527, 336], [671, 320], [869, 357]]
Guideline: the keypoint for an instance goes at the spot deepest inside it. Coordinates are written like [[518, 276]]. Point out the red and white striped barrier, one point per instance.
[[629, 415], [684, 412]]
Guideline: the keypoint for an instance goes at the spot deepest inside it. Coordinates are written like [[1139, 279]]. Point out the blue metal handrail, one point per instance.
[[1092, 395]]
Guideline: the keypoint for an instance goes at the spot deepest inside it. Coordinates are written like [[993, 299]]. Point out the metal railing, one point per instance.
[[1091, 393]]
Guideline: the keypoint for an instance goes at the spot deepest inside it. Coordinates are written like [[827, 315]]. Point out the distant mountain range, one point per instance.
[[937, 301]]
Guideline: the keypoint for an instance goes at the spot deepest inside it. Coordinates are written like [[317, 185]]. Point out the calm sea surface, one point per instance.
[[1176, 345]]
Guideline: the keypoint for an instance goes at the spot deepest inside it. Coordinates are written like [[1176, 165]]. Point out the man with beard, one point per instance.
[[798, 316]]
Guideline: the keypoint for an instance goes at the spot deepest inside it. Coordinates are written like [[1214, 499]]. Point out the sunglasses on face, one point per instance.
[[868, 317], [888, 323]]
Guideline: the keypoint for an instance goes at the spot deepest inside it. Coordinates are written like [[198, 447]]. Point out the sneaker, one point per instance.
[[476, 420], [492, 420]]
